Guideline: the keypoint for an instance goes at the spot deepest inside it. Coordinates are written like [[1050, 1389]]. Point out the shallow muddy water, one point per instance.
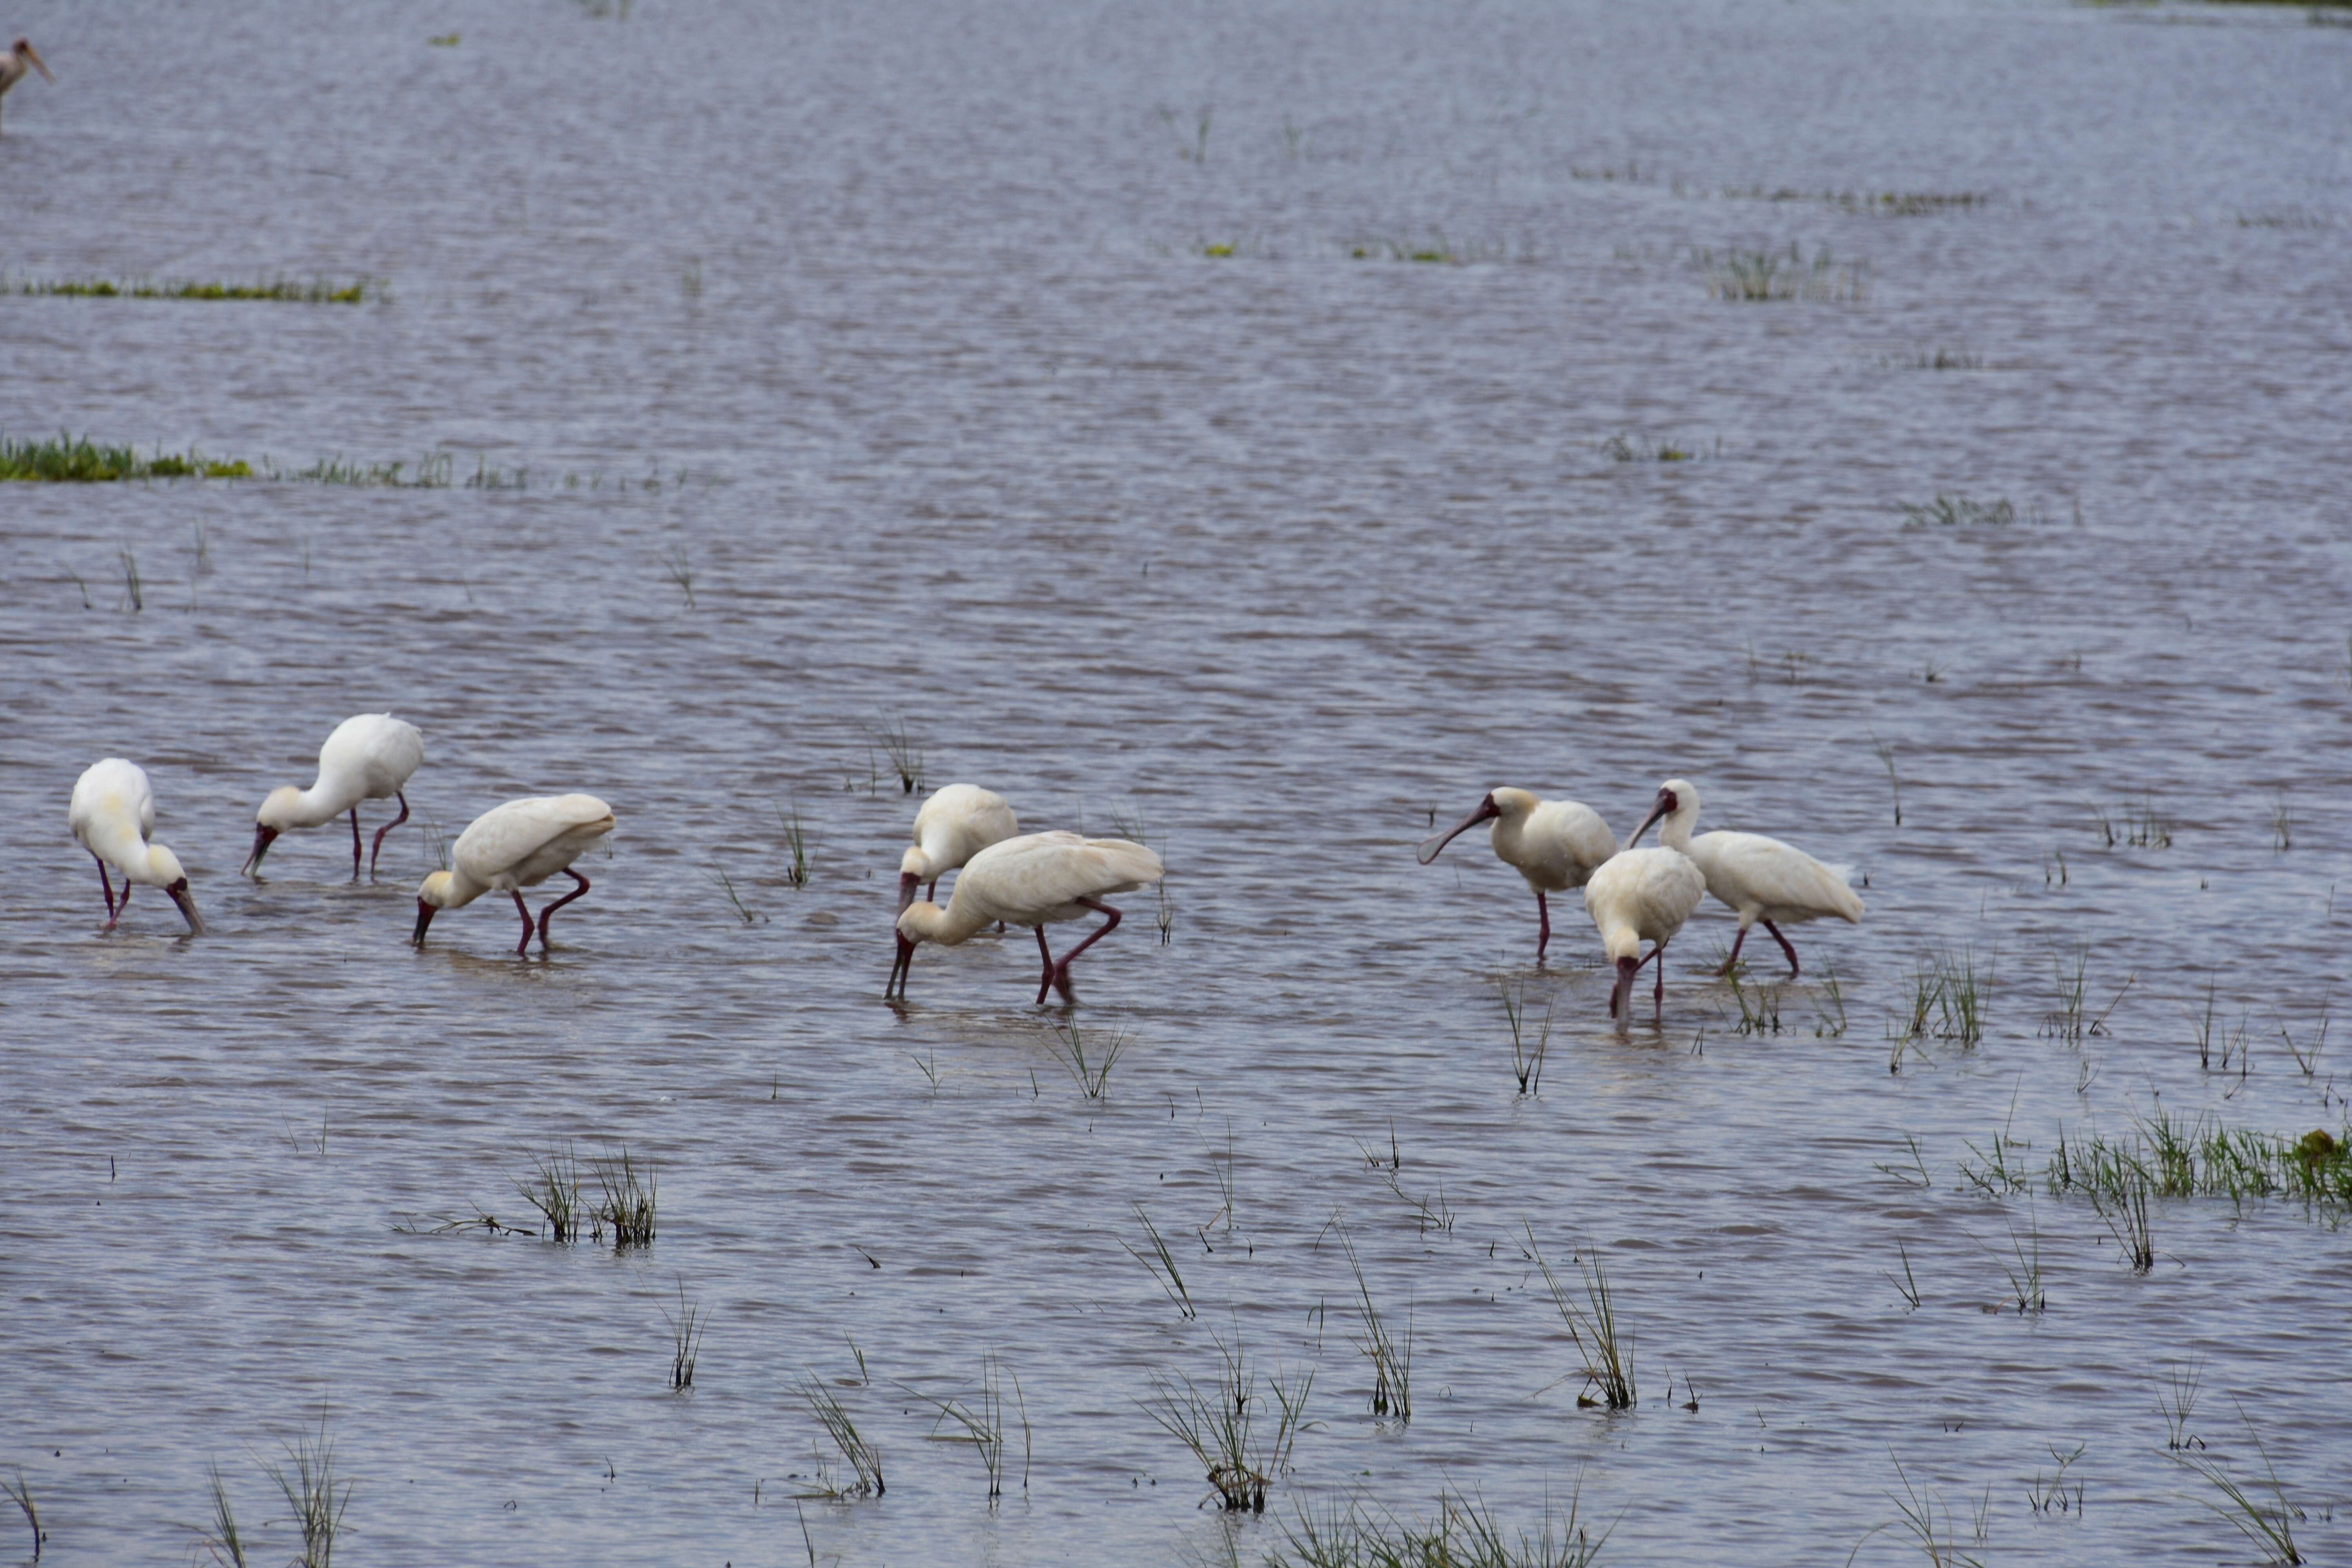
[[897, 327]]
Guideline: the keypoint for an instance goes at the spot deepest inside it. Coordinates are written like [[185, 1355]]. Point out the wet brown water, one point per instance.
[[905, 313]]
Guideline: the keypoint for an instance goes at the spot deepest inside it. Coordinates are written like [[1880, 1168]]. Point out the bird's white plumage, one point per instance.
[[1642, 895], [1761, 878], [953, 825], [1034, 879], [112, 813], [519, 844], [370, 756]]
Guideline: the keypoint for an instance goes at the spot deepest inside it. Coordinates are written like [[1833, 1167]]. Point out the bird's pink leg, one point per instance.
[[382, 831], [1659, 953], [1784, 947], [109, 889], [355, 843], [1046, 984], [934, 894], [1543, 925], [524, 911], [559, 903], [1062, 970], [1735, 949]]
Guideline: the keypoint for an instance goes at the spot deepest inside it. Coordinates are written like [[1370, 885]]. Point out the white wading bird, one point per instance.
[[368, 757], [954, 824], [113, 812], [14, 60], [1762, 878], [1032, 881], [1641, 895], [1555, 844], [516, 846]]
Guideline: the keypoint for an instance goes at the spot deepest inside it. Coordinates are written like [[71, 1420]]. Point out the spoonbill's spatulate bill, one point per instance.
[[369, 757], [1765, 881], [953, 825], [15, 62], [1033, 880], [1638, 896], [1555, 844], [113, 812], [519, 844]]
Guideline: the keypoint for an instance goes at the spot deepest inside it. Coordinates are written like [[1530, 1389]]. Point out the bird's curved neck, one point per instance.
[[1674, 832], [928, 922]]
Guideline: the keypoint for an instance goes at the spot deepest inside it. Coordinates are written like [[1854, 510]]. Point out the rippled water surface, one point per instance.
[[897, 327]]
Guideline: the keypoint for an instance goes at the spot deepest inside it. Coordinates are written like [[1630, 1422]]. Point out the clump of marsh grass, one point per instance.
[[1948, 999], [1771, 275], [2025, 1277], [1219, 1424], [2050, 1495], [1429, 1210], [309, 1481], [897, 743], [1936, 359], [1193, 148], [1623, 448], [21, 1494], [743, 912], [1886, 760], [686, 1331], [1759, 1008], [1917, 1512], [796, 839], [2178, 1400], [2067, 1021], [1437, 249], [132, 586], [1465, 1534], [1829, 1022], [2174, 1158], [1161, 1264], [2269, 1526], [1069, 1045], [625, 1200], [1952, 509], [680, 564], [1606, 1345], [1909, 1284], [1526, 1060], [983, 1421], [1163, 913], [1391, 1361], [864, 1460], [318, 291], [223, 1542], [553, 1189]]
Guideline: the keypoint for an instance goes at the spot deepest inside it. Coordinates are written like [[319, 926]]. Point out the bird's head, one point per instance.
[[911, 867], [1620, 997], [1677, 801], [165, 868], [1486, 810], [432, 894], [24, 47]]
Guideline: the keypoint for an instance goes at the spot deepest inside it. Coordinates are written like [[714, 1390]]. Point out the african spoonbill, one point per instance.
[[1637, 895], [1763, 880], [516, 846], [14, 60], [1555, 844], [1031, 880], [368, 757], [113, 812]]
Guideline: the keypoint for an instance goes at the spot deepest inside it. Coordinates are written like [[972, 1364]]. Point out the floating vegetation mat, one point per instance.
[[316, 293], [65, 459]]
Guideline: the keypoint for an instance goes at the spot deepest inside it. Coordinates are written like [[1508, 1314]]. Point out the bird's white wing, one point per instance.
[[1748, 868], [507, 835], [376, 751], [1050, 870]]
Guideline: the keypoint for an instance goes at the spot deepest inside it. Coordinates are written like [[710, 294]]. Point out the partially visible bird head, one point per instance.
[[1486, 810], [1677, 798], [24, 47], [165, 868], [912, 865], [279, 809], [432, 894]]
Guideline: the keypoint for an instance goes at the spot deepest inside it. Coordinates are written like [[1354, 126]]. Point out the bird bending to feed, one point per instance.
[[1032, 881], [113, 812], [368, 757], [14, 60], [1637, 895], [516, 846], [1765, 881], [953, 825], [1555, 844]]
